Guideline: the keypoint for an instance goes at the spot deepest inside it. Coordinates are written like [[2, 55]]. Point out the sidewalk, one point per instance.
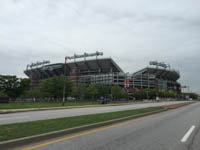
[[6, 111]]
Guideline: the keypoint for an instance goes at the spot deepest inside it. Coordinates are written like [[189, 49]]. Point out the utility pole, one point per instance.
[[188, 88], [64, 86], [148, 86]]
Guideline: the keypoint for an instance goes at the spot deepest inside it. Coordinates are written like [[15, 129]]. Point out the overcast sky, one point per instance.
[[132, 32]]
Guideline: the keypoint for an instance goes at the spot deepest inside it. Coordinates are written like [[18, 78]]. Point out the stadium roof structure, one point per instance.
[[103, 65], [92, 66], [160, 73]]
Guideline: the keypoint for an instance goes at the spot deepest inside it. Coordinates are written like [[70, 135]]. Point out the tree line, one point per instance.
[[13, 87], [52, 89], [152, 94]]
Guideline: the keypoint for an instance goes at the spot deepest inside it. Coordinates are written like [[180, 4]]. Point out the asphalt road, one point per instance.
[[51, 114], [164, 131]]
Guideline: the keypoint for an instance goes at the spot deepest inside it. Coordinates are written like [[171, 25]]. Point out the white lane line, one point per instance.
[[187, 135]]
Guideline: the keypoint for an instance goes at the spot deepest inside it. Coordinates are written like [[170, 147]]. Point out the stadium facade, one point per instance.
[[105, 71]]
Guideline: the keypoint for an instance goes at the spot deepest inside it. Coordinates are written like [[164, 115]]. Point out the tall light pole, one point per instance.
[[148, 86], [64, 84]]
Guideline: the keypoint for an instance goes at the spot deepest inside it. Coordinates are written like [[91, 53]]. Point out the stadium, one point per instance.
[[105, 71]]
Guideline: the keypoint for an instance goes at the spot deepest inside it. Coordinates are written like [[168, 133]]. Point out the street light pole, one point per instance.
[[148, 86], [64, 86]]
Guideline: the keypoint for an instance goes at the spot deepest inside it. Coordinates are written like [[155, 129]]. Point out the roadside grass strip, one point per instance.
[[19, 130]]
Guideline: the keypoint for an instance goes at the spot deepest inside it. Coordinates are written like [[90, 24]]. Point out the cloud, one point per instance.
[[131, 32]]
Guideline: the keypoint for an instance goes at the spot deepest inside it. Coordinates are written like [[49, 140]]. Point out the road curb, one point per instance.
[[37, 138]]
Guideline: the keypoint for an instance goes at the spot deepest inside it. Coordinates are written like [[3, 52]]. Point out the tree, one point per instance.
[[53, 87], [103, 91], [33, 93], [163, 93], [92, 91], [149, 93], [171, 94], [116, 92], [191, 95], [75, 93], [3, 95], [81, 92], [24, 85], [140, 94], [167, 94], [13, 86], [123, 94], [152, 93], [10, 85]]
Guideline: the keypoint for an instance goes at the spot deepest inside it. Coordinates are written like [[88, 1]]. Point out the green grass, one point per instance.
[[18, 130], [26, 105]]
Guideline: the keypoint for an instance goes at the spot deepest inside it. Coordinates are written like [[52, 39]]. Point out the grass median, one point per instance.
[[19, 130]]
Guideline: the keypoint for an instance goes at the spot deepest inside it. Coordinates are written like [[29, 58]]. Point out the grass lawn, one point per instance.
[[52, 104], [18, 130]]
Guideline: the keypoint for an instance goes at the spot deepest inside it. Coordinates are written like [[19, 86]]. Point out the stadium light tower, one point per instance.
[[74, 57], [64, 84]]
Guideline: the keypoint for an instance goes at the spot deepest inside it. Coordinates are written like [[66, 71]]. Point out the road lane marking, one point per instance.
[[187, 135], [85, 133]]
